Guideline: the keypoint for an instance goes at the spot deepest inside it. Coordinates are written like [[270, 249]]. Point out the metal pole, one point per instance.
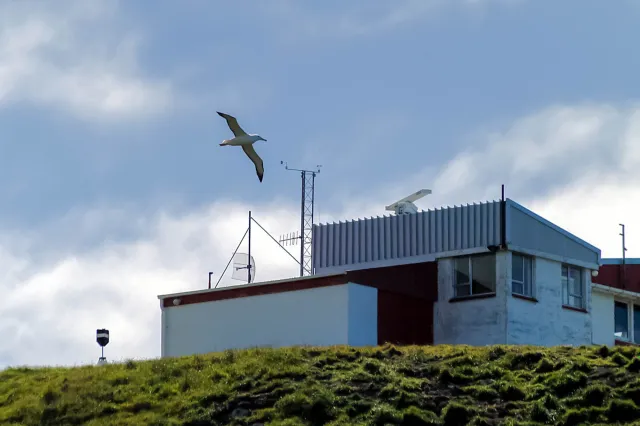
[[313, 196], [231, 258], [249, 260], [302, 239], [624, 249]]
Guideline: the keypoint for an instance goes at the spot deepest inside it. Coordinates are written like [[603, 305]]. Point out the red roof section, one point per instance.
[[617, 276]]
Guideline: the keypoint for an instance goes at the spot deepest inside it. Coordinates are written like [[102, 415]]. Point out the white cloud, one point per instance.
[[53, 306], [62, 54], [574, 165]]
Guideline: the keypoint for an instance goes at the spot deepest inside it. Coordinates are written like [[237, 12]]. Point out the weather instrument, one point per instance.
[[102, 337]]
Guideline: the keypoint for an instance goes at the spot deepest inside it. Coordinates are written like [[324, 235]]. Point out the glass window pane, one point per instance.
[[517, 271], [462, 290], [483, 271], [621, 320], [517, 287], [528, 271], [575, 301], [462, 270], [564, 271], [575, 280], [636, 324], [565, 292]]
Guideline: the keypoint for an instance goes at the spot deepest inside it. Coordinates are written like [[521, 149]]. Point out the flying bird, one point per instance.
[[244, 140]]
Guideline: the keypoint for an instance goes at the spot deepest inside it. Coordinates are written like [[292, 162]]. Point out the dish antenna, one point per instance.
[[102, 337], [406, 206], [243, 261]]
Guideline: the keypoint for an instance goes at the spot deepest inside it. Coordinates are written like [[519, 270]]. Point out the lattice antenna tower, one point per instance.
[[305, 236]]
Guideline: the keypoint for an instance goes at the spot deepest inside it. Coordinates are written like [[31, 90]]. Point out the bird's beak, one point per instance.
[[264, 139]]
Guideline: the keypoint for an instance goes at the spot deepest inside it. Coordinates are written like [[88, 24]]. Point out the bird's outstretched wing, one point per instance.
[[232, 123], [253, 155]]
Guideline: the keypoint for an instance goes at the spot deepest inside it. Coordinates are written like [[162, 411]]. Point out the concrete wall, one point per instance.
[[602, 318], [475, 322], [508, 319], [546, 322], [317, 316]]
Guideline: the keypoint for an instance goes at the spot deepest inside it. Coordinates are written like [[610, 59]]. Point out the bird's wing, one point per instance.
[[232, 123], [253, 155]]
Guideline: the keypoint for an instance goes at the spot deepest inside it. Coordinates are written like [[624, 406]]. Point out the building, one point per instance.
[[479, 274], [616, 303]]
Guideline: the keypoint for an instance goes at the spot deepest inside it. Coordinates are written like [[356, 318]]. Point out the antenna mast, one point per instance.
[[306, 219], [624, 249]]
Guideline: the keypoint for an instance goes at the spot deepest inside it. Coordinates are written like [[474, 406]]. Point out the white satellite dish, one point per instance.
[[240, 263], [406, 206]]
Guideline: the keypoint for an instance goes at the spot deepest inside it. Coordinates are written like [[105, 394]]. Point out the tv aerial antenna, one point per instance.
[[406, 205], [305, 236], [243, 261], [102, 337]]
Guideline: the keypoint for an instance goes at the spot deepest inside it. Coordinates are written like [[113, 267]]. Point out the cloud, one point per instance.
[[54, 302], [62, 55], [104, 267], [366, 18]]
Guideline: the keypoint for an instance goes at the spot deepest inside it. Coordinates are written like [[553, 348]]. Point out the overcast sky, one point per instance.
[[114, 188]]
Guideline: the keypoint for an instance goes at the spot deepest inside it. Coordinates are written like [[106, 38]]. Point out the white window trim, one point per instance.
[[469, 283], [582, 294], [630, 323], [530, 272]]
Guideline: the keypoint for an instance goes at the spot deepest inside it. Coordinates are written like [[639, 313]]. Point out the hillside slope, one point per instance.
[[337, 386]]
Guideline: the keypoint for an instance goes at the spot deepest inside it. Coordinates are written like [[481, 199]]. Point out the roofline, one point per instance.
[[618, 261], [243, 286], [602, 288], [555, 227]]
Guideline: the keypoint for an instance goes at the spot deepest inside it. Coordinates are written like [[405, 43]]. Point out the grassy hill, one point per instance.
[[337, 386]]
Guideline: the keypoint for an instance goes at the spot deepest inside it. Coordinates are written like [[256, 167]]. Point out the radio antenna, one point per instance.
[[307, 201]]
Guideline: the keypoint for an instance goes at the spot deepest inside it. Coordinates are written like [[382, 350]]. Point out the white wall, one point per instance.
[[319, 316], [472, 322], [602, 318], [547, 323]]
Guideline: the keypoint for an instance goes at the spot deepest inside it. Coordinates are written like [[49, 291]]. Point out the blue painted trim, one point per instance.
[[618, 261], [553, 226]]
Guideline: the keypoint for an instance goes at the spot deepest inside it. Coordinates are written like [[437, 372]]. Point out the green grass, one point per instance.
[[451, 385]]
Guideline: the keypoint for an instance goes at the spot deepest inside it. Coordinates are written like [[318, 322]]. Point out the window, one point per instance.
[[621, 320], [521, 276], [475, 275], [572, 288]]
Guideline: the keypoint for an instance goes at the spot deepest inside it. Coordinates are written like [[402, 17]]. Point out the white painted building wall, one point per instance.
[[546, 322], [335, 315], [602, 318], [505, 319], [476, 322]]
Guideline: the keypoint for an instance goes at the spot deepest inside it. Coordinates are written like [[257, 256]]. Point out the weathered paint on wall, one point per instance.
[[602, 318], [474, 322], [546, 322], [317, 316]]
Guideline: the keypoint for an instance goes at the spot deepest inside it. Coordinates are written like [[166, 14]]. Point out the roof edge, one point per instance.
[[245, 286], [555, 227]]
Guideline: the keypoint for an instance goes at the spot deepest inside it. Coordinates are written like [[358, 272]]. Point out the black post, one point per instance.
[[249, 260]]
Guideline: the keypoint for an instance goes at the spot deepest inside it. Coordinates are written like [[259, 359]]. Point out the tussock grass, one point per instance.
[[435, 385]]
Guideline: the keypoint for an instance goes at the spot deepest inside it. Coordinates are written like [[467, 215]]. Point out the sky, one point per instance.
[[114, 189]]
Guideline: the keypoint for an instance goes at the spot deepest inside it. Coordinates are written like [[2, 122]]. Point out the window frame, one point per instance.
[[617, 303], [469, 284], [528, 272], [633, 326], [566, 288]]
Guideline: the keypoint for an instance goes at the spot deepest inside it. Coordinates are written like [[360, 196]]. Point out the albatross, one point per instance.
[[244, 140]]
